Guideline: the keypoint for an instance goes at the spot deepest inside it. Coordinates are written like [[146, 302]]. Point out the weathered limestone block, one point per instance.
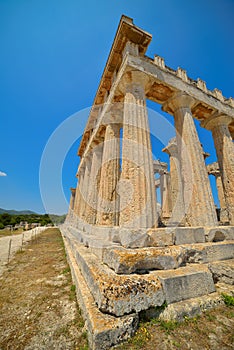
[[187, 308], [104, 330], [223, 271], [117, 294], [134, 238], [184, 235], [161, 237], [126, 261], [186, 282], [204, 253], [220, 233]]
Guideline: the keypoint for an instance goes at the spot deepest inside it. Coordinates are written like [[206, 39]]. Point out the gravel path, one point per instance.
[[16, 244]]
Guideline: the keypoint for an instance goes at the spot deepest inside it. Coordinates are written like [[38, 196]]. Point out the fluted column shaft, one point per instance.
[[84, 189], [138, 197], [225, 153], [72, 198], [94, 184], [165, 195], [78, 198], [224, 217], [108, 198], [176, 188], [198, 199]]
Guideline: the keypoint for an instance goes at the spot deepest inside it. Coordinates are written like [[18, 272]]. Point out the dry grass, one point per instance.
[[38, 309], [213, 330], [5, 232]]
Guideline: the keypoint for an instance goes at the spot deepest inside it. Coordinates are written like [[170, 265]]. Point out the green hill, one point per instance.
[[16, 212]]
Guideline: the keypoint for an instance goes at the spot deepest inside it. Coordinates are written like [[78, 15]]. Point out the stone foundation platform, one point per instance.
[[115, 283]]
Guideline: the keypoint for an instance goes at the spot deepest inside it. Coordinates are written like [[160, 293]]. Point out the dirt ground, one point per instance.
[[38, 310], [38, 307]]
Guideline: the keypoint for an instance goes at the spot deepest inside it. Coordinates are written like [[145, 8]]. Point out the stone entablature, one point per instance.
[[164, 81]]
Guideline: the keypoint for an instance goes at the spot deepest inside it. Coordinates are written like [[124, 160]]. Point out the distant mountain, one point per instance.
[[16, 212]]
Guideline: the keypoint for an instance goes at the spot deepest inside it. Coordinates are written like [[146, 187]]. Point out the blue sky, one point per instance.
[[52, 57]]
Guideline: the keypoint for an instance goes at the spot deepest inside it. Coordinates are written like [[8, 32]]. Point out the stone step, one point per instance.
[[117, 294], [223, 271], [104, 330], [123, 294], [181, 310], [208, 252], [126, 261], [166, 236], [186, 282]]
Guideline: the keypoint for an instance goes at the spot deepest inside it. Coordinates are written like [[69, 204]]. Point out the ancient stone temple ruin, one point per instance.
[[127, 255]]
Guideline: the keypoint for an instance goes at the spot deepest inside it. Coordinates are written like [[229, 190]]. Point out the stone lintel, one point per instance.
[[159, 167], [169, 78]]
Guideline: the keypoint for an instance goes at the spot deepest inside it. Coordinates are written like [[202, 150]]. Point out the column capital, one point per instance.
[[98, 149], [216, 120], [80, 171], [177, 101], [213, 169], [133, 81], [171, 149], [73, 190]]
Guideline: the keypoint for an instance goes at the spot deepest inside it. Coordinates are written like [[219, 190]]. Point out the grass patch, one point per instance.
[[72, 295], [66, 270], [168, 326], [228, 299]]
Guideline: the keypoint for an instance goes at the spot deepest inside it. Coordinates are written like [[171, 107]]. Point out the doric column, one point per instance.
[[70, 215], [198, 199], [213, 169], [177, 198], [137, 185], [94, 184], [77, 203], [165, 195], [85, 187], [224, 146], [72, 198], [108, 199]]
